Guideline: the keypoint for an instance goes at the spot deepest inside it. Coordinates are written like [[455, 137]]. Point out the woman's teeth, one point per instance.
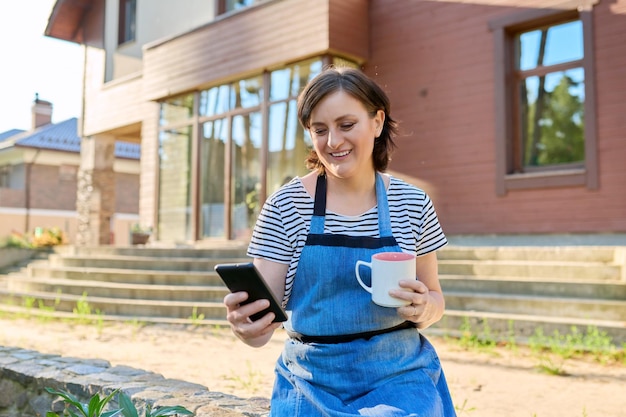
[[339, 154]]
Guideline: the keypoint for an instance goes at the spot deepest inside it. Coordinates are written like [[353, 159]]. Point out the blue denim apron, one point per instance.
[[392, 374]]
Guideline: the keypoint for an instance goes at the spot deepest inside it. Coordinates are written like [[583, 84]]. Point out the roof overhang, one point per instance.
[[66, 18]]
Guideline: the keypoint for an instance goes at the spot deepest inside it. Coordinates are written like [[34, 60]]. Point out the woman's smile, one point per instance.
[[343, 134], [341, 154]]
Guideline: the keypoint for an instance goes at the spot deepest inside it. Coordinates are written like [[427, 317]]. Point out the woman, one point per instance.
[[338, 361]]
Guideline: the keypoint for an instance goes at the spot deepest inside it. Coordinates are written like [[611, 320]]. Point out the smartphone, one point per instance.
[[245, 277]]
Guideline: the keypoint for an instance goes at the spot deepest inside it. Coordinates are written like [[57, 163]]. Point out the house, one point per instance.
[[511, 111], [39, 179]]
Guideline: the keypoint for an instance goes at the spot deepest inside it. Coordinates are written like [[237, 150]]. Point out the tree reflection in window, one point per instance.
[[551, 96]]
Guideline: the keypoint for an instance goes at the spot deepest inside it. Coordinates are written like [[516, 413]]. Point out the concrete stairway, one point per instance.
[[505, 289], [169, 285], [511, 289]]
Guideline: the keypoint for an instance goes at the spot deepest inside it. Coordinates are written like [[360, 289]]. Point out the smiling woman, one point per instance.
[[354, 358]]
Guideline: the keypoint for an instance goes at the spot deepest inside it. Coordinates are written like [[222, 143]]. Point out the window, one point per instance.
[[5, 176], [127, 21], [225, 148], [545, 110], [225, 6]]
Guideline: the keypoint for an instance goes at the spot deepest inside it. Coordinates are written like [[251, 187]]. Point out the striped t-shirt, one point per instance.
[[283, 224]]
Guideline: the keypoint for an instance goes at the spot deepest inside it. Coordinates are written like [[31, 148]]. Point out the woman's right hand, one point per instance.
[[253, 333]]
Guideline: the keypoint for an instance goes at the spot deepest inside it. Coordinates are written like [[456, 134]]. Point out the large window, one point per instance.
[[174, 222], [288, 141], [545, 131], [224, 149]]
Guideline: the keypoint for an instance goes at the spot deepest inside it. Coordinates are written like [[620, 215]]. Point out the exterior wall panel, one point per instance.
[[248, 42], [436, 63], [349, 28], [112, 105]]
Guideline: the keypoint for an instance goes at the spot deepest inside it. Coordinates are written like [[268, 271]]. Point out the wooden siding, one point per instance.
[[435, 59], [266, 36], [112, 105]]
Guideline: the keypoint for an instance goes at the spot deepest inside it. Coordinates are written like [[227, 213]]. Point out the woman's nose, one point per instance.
[[334, 139]]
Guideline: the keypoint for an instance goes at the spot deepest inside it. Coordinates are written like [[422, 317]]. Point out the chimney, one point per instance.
[[41, 112]]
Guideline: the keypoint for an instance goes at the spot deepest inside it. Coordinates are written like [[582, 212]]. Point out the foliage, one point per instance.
[[95, 407], [138, 228], [16, 240], [41, 238], [129, 410], [556, 135], [47, 237]]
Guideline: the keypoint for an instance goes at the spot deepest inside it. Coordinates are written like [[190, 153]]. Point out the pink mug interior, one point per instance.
[[393, 256]]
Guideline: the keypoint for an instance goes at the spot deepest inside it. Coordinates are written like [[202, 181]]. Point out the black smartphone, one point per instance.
[[245, 277]]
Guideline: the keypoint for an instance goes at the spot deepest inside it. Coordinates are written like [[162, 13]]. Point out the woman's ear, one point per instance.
[[379, 119]]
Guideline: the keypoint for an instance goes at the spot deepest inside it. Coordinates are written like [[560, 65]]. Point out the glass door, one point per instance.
[[246, 169], [213, 179]]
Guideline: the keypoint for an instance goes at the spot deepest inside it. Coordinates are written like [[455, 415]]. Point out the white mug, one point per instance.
[[388, 268]]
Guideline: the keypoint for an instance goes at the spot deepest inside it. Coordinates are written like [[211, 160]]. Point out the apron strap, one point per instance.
[[384, 221], [319, 208]]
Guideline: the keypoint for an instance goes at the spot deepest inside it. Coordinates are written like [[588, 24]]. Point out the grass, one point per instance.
[[550, 351], [251, 381]]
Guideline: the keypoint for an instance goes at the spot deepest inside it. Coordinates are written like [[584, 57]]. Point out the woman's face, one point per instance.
[[343, 135]]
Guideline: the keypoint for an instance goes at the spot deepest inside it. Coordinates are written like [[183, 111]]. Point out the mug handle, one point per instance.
[[358, 277]]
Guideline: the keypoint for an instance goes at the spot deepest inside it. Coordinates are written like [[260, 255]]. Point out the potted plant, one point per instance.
[[95, 407], [139, 234]]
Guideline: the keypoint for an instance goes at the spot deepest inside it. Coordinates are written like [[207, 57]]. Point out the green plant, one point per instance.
[[15, 240], [84, 311], [95, 406], [46, 237], [41, 237], [251, 381], [195, 317], [129, 410], [470, 340], [463, 408], [138, 228]]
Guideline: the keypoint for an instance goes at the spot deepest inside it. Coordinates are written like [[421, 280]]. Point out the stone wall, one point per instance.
[[24, 375], [12, 256]]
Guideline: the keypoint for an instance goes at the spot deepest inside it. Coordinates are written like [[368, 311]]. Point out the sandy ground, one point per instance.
[[502, 382]]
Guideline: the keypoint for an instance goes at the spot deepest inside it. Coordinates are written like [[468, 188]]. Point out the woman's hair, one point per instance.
[[362, 88]]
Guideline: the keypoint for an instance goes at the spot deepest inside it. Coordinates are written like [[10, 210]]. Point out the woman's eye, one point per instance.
[[319, 132], [347, 126]]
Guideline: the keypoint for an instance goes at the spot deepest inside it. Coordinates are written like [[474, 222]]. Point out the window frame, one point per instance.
[[504, 30]]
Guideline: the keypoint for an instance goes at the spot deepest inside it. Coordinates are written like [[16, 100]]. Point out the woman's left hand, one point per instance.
[[420, 308]]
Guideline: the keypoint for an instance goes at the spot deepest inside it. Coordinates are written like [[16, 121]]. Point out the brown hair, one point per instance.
[[362, 88]]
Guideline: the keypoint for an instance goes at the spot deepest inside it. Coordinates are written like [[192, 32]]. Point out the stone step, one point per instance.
[[505, 326], [140, 262], [523, 287], [116, 290], [529, 286], [65, 315], [131, 276], [536, 269], [574, 308], [222, 249], [130, 309], [602, 254]]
